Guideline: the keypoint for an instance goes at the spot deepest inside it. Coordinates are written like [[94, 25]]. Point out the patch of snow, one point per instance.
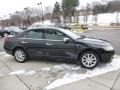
[[45, 69], [6, 55], [60, 82], [62, 66], [46, 23], [30, 72], [71, 73], [17, 72], [2, 53], [72, 77], [102, 19], [76, 68]]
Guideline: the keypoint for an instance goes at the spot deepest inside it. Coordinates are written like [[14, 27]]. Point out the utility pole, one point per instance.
[[41, 7]]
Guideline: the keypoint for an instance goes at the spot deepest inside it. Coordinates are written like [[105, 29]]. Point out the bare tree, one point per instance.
[[95, 11], [48, 12], [115, 6], [86, 12]]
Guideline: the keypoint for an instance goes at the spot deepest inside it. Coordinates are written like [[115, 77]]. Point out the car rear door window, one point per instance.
[[35, 34]]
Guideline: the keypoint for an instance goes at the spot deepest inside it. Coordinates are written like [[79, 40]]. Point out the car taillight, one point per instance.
[[6, 39]]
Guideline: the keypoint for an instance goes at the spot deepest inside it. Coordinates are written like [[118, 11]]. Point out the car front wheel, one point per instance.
[[20, 55], [89, 59]]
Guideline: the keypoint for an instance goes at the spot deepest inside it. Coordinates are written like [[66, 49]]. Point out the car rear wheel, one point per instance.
[[20, 55], [89, 59]]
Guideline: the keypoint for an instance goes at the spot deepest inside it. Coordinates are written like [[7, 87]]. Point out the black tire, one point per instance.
[[90, 63], [24, 58]]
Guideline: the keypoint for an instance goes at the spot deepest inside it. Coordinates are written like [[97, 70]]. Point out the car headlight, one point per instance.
[[108, 48]]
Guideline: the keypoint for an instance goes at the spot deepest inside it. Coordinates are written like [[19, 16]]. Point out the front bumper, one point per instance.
[[106, 56]]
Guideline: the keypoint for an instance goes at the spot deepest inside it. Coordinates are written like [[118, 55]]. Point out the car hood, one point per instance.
[[94, 41]]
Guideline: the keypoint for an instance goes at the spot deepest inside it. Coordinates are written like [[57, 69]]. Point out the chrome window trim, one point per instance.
[[41, 39]]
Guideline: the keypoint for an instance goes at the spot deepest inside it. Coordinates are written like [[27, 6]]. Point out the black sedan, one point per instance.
[[58, 44]]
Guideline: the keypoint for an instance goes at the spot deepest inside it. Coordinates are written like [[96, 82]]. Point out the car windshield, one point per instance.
[[71, 34]]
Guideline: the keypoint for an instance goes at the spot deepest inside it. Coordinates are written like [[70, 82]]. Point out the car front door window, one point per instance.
[[55, 35]]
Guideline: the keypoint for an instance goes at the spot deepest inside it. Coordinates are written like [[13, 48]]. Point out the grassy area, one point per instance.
[[77, 29]]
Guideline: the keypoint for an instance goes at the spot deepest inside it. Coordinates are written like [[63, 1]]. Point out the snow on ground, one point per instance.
[[2, 54], [103, 19], [41, 24], [72, 73], [72, 77], [63, 74], [17, 72], [31, 72]]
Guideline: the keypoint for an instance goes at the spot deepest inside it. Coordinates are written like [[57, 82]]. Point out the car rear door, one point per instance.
[[33, 41], [56, 47]]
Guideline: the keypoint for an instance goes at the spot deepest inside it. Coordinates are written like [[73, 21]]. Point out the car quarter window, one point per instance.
[[36, 34], [54, 35]]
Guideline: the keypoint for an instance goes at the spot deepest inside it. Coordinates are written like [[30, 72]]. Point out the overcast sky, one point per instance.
[[11, 6]]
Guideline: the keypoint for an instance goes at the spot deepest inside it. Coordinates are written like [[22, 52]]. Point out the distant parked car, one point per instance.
[[84, 27], [14, 30], [60, 44], [4, 33]]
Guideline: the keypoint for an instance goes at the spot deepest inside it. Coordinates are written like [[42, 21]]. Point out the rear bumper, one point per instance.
[[106, 56]]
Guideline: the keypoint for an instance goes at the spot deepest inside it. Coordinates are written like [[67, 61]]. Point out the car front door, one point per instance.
[[33, 42], [56, 47]]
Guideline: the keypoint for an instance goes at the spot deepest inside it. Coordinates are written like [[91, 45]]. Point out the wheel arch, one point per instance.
[[89, 50], [18, 47]]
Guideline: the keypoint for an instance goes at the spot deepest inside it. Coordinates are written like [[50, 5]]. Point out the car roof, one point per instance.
[[67, 32], [54, 28]]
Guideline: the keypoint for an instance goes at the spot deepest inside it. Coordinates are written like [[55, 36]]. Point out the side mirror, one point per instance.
[[66, 40]]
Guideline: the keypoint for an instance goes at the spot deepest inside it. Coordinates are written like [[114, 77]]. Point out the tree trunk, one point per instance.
[[77, 18], [95, 18]]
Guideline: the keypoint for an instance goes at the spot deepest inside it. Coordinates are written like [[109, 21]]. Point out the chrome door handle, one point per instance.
[[49, 44], [23, 42]]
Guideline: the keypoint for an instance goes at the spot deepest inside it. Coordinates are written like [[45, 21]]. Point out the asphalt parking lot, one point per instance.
[[111, 35], [44, 75]]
